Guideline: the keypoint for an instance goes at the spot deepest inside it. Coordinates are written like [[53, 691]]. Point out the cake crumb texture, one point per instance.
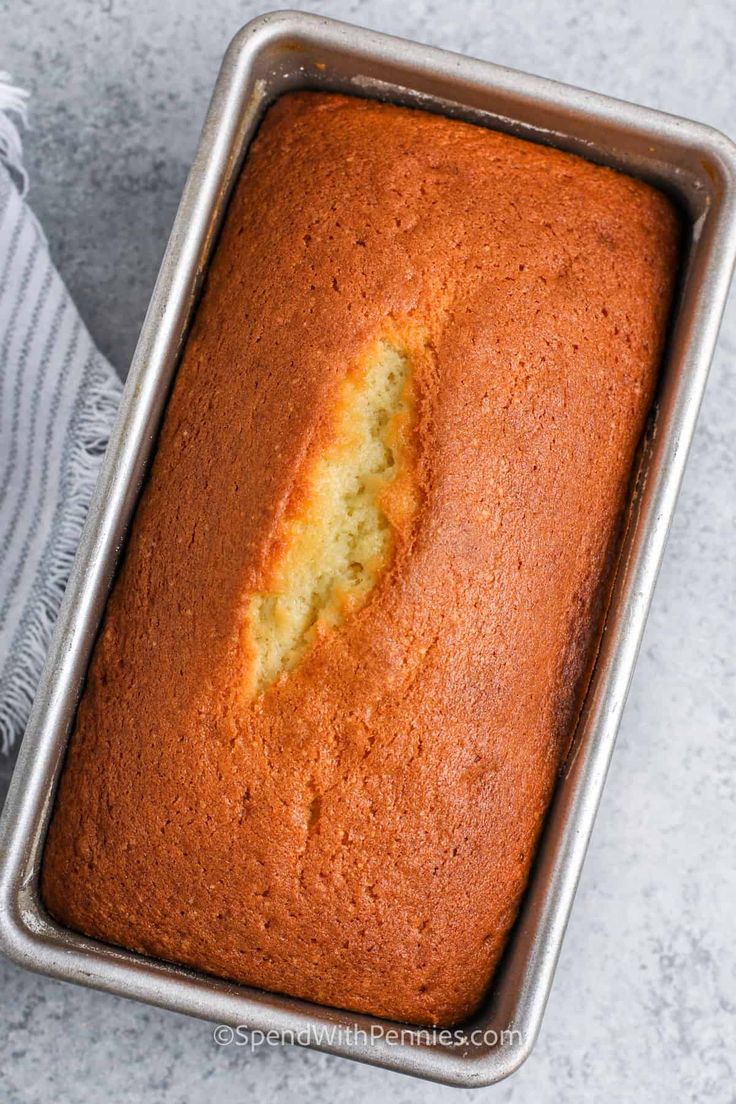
[[343, 657], [336, 545]]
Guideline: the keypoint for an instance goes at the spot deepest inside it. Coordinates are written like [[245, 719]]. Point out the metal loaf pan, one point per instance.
[[694, 163]]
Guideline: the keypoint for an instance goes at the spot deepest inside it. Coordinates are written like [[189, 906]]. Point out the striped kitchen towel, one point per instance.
[[58, 397]]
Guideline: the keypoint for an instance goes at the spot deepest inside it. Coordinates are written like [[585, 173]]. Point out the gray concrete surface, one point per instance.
[[644, 1005]]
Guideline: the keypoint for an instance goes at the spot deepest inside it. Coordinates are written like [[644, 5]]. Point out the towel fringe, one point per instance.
[[89, 431], [13, 101]]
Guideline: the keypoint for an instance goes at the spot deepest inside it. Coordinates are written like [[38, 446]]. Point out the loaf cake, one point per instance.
[[344, 655]]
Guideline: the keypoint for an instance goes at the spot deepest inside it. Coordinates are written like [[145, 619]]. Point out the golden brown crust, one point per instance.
[[360, 834]]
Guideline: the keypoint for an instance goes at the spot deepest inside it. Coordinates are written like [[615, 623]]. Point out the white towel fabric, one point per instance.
[[58, 397]]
